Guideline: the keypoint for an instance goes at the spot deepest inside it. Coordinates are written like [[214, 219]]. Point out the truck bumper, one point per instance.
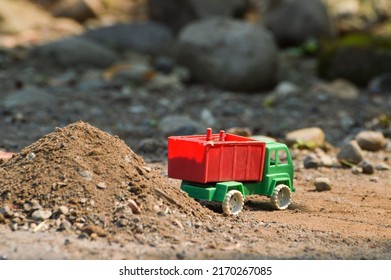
[[198, 192]]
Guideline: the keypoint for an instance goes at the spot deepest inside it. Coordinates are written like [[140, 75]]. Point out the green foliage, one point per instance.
[[268, 102], [310, 47], [152, 122], [301, 144], [364, 40], [384, 120], [356, 57], [347, 163]]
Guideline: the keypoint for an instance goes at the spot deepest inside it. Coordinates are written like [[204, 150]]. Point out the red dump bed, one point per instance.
[[215, 158]]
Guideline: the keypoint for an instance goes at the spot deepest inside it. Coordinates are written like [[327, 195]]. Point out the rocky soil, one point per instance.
[[80, 193], [83, 147]]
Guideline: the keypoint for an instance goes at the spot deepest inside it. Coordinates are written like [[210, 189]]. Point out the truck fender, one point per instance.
[[222, 188], [286, 181]]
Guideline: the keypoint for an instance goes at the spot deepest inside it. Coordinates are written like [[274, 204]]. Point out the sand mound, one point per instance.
[[82, 179]]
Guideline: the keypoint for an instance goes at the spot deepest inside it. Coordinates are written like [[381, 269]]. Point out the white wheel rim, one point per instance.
[[283, 197], [234, 203]]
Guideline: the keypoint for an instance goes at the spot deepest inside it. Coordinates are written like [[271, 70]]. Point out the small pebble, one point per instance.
[[311, 161], [16, 220], [371, 140], [374, 179], [94, 236], [7, 212], [101, 185], [311, 137], [181, 256], [58, 222], [91, 229], [65, 225], [350, 153], [27, 207], [35, 205], [14, 227], [30, 156], [83, 200], [86, 174], [241, 131], [40, 215], [147, 168], [322, 184], [357, 170], [83, 236], [133, 205], [163, 64], [367, 167], [325, 159], [78, 225], [63, 210], [382, 166]]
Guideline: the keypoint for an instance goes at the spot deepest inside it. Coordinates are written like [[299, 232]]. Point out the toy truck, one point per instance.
[[226, 168]]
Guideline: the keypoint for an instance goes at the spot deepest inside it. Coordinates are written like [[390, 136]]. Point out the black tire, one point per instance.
[[281, 197], [233, 203]]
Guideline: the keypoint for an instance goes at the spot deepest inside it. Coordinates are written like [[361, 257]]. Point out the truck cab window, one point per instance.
[[282, 157], [278, 157]]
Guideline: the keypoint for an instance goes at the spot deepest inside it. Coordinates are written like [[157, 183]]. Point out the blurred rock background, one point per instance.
[[129, 65], [189, 33]]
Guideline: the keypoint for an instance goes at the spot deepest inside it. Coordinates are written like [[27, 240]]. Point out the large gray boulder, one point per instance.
[[178, 13], [29, 97], [76, 51], [358, 58], [144, 37], [229, 54], [295, 21]]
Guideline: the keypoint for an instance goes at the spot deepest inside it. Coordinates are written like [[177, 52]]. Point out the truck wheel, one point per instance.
[[233, 203], [281, 197]]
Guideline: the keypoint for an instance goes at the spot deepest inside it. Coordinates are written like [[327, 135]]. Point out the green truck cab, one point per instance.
[[265, 168]]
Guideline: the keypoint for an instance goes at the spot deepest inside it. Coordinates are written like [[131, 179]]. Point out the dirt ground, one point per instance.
[[351, 221]]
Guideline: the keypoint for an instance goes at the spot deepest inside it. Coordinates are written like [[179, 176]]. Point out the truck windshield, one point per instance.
[[278, 157]]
